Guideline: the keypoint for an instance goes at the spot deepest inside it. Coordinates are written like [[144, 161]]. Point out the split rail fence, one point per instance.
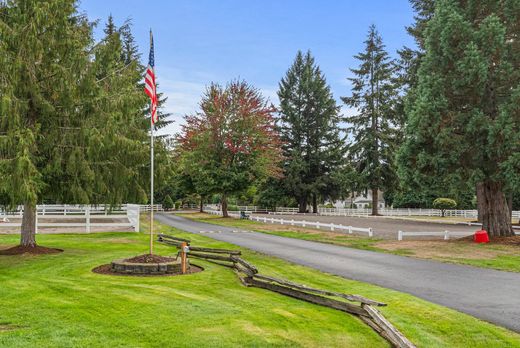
[[249, 276]]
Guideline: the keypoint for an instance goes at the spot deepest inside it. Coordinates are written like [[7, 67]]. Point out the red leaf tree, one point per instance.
[[231, 142]]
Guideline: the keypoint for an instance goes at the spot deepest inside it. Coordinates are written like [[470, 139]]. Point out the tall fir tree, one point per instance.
[[464, 118], [310, 128], [71, 130], [374, 127]]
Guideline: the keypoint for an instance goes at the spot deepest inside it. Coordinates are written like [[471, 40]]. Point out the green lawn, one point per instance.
[[56, 301], [496, 256]]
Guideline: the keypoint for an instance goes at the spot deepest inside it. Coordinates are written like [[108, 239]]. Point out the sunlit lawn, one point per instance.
[[56, 301]]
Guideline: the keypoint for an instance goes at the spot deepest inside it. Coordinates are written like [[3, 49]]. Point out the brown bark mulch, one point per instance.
[[107, 270], [150, 258], [513, 240], [36, 250]]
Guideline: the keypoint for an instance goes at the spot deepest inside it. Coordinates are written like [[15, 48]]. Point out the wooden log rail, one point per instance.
[[248, 275]]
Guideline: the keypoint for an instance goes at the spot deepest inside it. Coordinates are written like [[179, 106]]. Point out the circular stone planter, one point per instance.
[[125, 267]]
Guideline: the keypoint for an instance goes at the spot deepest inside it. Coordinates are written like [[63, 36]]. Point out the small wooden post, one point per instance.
[[183, 257]]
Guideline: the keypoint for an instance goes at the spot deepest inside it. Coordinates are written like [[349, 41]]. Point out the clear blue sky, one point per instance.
[[199, 41]]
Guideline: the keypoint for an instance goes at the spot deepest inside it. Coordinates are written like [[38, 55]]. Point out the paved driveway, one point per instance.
[[487, 294]]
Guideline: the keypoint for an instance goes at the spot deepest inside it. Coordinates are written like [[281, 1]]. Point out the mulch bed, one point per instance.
[[149, 258], [514, 240], [107, 269], [36, 250]]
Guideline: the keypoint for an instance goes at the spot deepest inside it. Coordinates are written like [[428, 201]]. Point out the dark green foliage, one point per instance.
[[167, 203], [443, 204], [375, 127], [464, 115], [72, 125], [310, 128]]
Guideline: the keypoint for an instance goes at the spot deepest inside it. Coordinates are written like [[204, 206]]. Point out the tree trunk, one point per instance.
[[28, 231], [302, 205], [510, 205], [480, 200], [496, 219], [224, 206], [314, 204], [201, 206], [375, 201]]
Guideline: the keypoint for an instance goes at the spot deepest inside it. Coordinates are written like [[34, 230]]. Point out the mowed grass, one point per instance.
[[56, 301], [495, 256]]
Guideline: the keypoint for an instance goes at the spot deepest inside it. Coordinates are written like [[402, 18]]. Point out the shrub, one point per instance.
[[167, 203], [443, 204]]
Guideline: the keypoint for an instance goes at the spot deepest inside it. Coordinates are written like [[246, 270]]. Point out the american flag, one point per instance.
[[149, 81]]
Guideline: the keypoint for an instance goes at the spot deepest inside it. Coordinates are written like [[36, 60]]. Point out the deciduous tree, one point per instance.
[[231, 142]]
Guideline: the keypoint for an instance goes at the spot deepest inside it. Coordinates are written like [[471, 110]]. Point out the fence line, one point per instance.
[[60, 213], [303, 223], [445, 234], [362, 212]]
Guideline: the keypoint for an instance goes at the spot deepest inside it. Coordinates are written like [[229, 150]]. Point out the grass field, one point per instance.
[[496, 256], [56, 301]]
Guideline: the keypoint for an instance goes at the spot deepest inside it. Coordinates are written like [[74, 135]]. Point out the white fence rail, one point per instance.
[[56, 216], [303, 223], [445, 234], [147, 207], [390, 212]]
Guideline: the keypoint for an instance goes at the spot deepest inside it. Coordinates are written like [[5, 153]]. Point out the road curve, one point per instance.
[[487, 294]]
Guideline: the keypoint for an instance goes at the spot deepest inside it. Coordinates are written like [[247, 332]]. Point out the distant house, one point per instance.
[[360, 201]]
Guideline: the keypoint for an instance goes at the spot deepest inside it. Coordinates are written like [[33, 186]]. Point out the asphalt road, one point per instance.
[[487, 294], [383, 227]]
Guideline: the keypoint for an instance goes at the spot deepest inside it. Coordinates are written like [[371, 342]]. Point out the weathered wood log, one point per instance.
[[245, 264], [210, 256], [167, 236], [238, 267], [243, 280], [391, 333], [312, 298], [216, 251], [170, 242], [354, 298]]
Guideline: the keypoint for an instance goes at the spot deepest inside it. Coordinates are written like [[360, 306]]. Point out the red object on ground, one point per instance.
[[481, 237]]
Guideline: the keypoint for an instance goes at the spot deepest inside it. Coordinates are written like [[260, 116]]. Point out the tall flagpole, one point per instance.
[[151, 170], [151, 186]]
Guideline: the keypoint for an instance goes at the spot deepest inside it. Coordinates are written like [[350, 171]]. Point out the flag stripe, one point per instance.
[[150, 87]]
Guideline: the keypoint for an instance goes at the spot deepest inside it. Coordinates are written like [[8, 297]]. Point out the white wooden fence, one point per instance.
[[56, 216], [389, 212], [445, 234], [303, 223], [147, 207]]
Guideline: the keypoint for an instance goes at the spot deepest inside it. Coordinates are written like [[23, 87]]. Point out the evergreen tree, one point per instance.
[[71, 130], [463, 123], [375, 127], [310, 129]]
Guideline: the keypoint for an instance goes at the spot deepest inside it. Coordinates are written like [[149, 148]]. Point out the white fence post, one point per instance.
[[370, 232], [400, 235], [446, 235], [87, 219]]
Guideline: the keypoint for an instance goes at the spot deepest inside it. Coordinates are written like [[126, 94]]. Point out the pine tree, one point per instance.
[[374, 127], [464, 122], [71, 130], [311, 134]]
